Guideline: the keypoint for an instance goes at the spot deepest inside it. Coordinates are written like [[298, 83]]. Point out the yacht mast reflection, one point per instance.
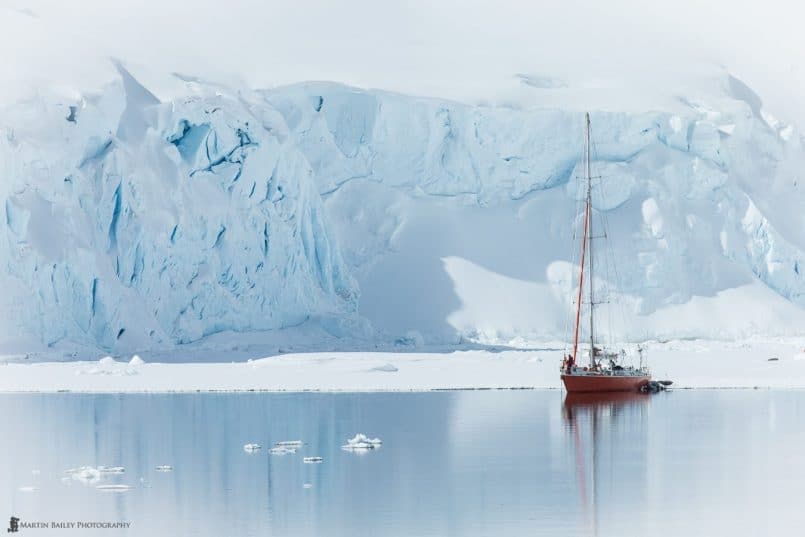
[[594, 420]]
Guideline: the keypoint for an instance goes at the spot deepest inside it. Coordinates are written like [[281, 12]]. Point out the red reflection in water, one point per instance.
[[594, 409]]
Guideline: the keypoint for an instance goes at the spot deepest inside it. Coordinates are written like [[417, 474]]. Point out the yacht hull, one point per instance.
[[591, 383]]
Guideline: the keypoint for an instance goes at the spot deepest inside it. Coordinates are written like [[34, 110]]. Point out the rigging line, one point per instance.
[[609, 258], [610, 262], [581, 280], [589, 231], [619, 313], [575, 190], [593, 155], [572, 256], [567, 329]]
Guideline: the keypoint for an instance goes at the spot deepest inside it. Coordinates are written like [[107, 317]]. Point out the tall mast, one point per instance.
[[589, 231], [584, 242]]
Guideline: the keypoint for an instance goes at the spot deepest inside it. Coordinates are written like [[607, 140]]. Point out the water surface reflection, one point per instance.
[[452, 463]]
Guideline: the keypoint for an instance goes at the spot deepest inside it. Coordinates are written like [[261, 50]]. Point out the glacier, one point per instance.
[[148, 223], [134, 223]]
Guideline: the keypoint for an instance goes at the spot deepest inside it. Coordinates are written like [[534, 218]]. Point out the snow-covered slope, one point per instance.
[[130, 223]]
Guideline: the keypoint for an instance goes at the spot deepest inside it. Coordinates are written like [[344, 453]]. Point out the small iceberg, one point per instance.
[[109, 366], [28, 489], [307, 486], [361, 442], [114, 488], [313, 460], [164, 468], [136, 360], [91, 475], [289, 444], [281, 450], [252, 448], [85, 474]]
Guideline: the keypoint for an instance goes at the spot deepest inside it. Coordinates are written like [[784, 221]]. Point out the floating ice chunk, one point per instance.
[[85, 474], [108, 366], [307, 486], [114, 488], [281, 450], [289, 443], [252, 448], [28, 489], [164, 468], [313, 460], [111, 469], [386, 368], [136, 360], [361, 442]]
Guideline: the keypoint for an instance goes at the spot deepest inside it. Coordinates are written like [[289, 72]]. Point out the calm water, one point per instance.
[[452, 463]]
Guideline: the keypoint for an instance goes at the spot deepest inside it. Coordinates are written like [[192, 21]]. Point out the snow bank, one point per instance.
[[689, 363], [108, 366]]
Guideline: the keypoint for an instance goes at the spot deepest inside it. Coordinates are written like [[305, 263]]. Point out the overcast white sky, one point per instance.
[[467, 50]]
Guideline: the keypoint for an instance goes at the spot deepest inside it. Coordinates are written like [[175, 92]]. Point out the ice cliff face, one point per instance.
[[457, 220], [149, 223], [130, 222]]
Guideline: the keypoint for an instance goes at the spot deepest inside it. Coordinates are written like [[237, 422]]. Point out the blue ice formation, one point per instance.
[[144, 223]]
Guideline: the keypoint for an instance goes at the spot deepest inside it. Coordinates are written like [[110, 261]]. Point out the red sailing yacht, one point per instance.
[[602, 373]]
